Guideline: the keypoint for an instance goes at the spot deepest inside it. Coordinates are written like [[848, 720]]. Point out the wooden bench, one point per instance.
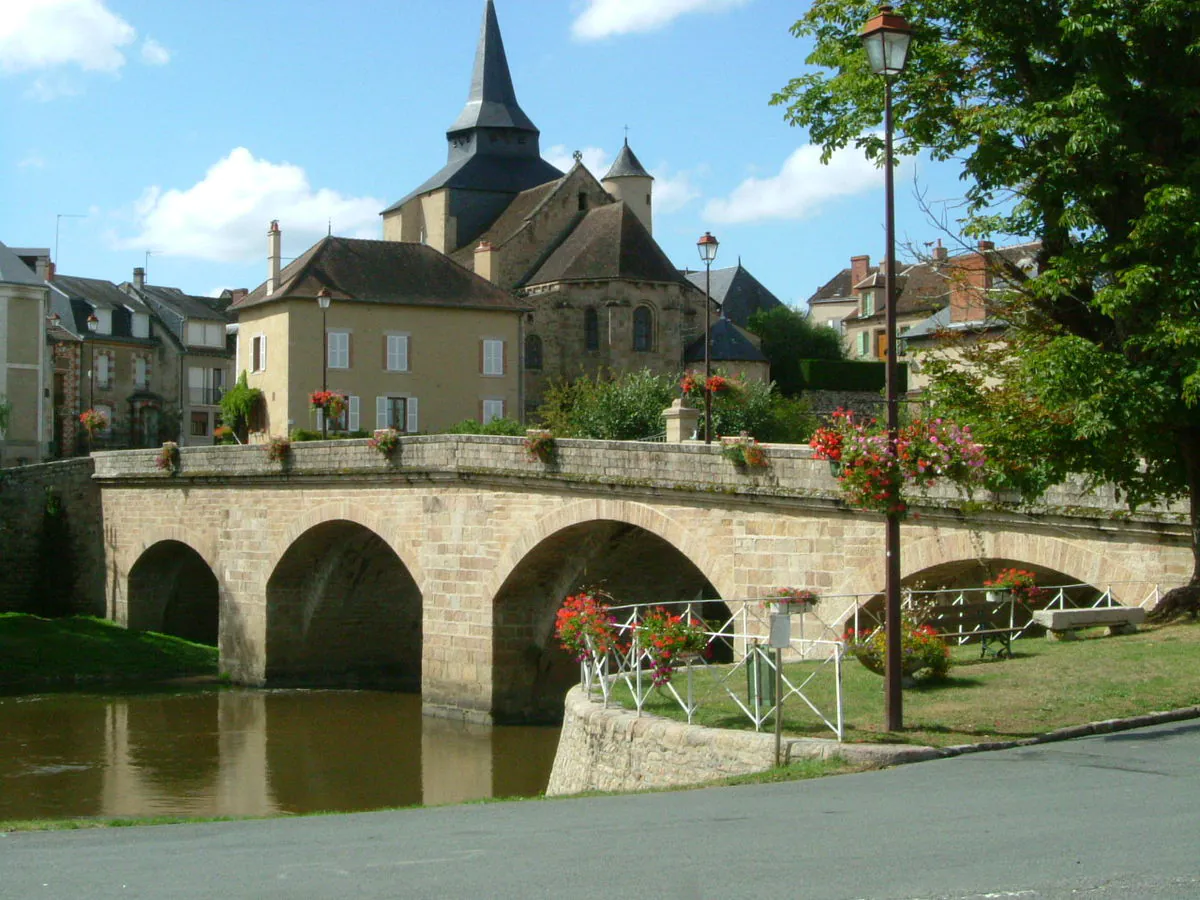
[[991, 623], [1061, 624]]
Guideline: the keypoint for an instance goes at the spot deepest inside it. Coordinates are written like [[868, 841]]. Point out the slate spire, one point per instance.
[[492, 102], [627, 165]]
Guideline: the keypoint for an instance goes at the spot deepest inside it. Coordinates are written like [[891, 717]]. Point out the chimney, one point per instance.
[[139, 277], [485, 261], [970, 284], [274, 253], [50, 270], [859, 266], [985, 246], [940, 254]]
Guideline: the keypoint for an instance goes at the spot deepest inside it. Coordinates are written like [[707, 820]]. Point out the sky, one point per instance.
[[169, 134]]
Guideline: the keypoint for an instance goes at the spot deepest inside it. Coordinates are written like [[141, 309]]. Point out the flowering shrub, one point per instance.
[[794, 598], [223, 434], [922, 650], [331, 402], [93, 421], [584, 627], [168, 456], [278, 449], [1022, 584], [540, 445], [718, 384], [744, 450], [873, 476], [384, 440], [667, 638]]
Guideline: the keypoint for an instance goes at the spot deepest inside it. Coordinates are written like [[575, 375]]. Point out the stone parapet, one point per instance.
[[629, 467]]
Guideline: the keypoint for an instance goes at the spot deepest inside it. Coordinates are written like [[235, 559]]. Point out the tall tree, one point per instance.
[[1077, 122], [788, 337]]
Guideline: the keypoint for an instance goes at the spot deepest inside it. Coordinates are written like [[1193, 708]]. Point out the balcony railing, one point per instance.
[[205, 396]]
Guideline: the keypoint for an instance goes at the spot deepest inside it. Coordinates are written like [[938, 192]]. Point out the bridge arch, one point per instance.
[[172, 589], [343, 608], [631, 552]]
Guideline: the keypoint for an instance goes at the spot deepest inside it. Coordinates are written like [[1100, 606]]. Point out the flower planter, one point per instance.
[[999, 596], [793, 607], [836, 467]]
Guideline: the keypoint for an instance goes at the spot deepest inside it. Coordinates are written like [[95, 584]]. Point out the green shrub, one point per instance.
[[502, 426]]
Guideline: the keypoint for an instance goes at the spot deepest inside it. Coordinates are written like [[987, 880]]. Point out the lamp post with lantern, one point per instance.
[[323, 300], [707, 245], [886, 38], [92, 324]]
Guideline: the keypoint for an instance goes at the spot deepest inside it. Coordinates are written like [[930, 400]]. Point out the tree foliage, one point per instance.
[[238, 405], [789, 336], [5, 413], [629, 407], [1077, 122]]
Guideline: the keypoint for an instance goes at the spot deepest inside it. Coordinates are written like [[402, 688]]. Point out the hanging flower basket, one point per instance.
[[168, 458], [744, 452], [331, 403], [384, 441], [791, 600], [1017, 584], [278, 449], [540, 445]]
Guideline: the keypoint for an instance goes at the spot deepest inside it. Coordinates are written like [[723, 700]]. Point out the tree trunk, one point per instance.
[[1186, 599]]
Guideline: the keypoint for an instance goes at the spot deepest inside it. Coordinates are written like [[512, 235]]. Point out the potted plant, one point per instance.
[[540, 445], [93, 422], [584, 627], [278, 449], [168, 457], [384, 441], [667, 639], [1017, 584], [744, 452], [789, 600], [923, 653]]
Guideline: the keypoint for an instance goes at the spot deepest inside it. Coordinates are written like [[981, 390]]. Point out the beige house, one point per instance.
[[24, 361], [414, 340]]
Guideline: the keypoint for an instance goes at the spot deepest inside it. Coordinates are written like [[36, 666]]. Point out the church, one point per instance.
[[577, 252]]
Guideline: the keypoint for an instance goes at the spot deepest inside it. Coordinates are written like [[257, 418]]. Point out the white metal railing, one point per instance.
[[855, 613], [629, 666]]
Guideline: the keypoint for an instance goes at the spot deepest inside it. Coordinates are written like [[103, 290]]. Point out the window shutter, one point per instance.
[[413, 422], [264, 352], [862, 343], [381, 412], [354, 417], [404, 362], [504, 357], [481, 357]]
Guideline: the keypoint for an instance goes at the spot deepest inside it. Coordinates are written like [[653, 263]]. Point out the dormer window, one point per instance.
[[205, 334], [104, 316], [141, 325], [868, 303]]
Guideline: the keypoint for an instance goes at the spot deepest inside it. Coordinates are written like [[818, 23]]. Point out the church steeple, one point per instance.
[[492, 102]]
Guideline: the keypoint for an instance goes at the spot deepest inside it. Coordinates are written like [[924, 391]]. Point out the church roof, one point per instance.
[[492, 102], [511, 165], [729, 344], [609, 243], [627, 165], [739, 293], [382, 272]]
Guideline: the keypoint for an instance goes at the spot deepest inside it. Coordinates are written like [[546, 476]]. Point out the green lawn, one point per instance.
[[37, 653], [1046, 686]]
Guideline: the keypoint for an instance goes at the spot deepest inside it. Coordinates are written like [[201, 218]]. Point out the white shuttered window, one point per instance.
[[397, 352]]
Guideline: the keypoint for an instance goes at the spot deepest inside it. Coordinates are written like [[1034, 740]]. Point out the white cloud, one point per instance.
[[32, 160], [224, 217], [800, 189], [44, 34], [605, 18], [154, 53], [596, 159], [672, 192]]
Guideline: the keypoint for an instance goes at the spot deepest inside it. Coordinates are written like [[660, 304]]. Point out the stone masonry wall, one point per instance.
[[617, 750], [24, 497]]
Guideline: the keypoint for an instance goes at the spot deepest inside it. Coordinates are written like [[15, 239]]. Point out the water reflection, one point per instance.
[[240, 752]]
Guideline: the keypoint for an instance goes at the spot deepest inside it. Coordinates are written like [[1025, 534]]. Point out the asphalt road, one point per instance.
[[1113, 816]]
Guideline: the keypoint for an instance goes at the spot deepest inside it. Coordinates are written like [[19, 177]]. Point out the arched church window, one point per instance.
[[533, 352], [591, 329], [643, 329]]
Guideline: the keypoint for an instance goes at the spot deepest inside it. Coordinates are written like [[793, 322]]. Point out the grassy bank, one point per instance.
[[39, 653], [1046, 686]]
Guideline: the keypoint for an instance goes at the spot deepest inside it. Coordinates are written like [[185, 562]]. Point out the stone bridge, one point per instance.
[[441, 568]]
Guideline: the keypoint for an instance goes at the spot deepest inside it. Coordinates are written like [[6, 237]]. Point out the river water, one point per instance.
[[252, 752]]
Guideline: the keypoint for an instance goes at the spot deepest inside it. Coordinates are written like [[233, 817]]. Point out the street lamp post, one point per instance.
[[886, 38], [323, 299], [92, 324], [707, 245]]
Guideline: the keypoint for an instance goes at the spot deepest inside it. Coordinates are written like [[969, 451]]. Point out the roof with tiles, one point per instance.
[[388, 272], [609, 243], [729, 344], [738, 293]]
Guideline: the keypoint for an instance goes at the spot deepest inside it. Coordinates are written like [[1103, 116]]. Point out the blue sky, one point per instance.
[[183, 128]]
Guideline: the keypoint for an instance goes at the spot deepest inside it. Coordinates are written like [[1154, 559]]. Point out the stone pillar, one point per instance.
[[681, 422]]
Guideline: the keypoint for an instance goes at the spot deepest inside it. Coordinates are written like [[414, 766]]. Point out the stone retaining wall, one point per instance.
[[617, 750], [44, 551]]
